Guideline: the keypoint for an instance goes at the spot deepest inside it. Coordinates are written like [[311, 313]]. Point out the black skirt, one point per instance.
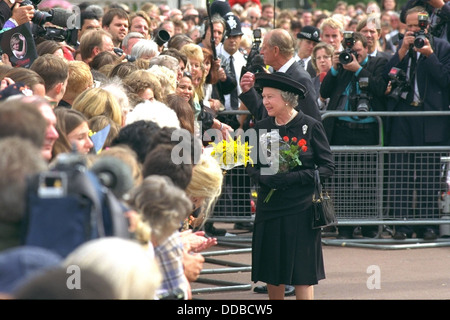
[[286, 250]]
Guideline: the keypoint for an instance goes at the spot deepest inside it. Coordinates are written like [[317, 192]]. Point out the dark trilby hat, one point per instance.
[[310, 33], [281, 81]]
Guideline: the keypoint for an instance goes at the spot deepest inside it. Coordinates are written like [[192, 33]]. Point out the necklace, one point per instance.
[[294, 113]]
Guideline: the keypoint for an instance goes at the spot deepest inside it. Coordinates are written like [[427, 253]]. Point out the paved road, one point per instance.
[[353, 273]]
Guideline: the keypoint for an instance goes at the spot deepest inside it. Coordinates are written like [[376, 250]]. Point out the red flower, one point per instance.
[[294, 139], [286, 139], [302, 143], [304, 148]]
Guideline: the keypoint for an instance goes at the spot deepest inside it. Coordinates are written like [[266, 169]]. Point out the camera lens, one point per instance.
[[363, 106], [419, 41], [345, 58]]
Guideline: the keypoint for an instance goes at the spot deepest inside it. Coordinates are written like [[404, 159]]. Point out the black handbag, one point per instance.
[[322, 206]]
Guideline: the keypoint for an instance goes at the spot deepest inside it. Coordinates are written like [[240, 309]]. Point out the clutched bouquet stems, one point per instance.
[[284, 154]]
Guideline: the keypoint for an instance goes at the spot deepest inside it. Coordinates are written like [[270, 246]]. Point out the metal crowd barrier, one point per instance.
[[365, 187]]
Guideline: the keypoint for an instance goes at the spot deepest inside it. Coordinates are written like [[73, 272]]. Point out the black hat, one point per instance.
[[233, 25], [220, 7], [281, 81], [310, 33]]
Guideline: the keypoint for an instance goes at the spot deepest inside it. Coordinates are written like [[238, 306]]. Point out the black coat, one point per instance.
[[296, 193]]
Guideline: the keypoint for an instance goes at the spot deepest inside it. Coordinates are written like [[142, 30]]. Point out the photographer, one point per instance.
[[354, 83], [344, 85], [439, 11], [425, 61], [12, 14]]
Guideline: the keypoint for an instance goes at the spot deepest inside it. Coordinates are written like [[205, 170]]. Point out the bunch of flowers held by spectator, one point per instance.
[[231, 153], [286, 157]]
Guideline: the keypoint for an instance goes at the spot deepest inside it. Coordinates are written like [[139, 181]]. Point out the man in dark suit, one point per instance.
[[347, 85], [278, 52], [427, 84], [370, 27]]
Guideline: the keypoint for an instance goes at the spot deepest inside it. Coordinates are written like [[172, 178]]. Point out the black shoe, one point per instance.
[[344, 235], [399, 235], [369, 234], [244, 226], [288, 290], [402, 233], [260, 289], [429, 234], [345, 232], [213, 231]]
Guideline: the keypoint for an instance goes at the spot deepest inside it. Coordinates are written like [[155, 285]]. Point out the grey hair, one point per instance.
[[166, 61], [162, 205], [290, 98], [145, 46], [283, 40], [131, 35]]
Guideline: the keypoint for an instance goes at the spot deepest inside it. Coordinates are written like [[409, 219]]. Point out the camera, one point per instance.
[[400, 87], [420, 35], [161, 36], [363, 99], [345, 56], [128, 57], [40, 17], [255, 61], [361, 102], [58, 17]]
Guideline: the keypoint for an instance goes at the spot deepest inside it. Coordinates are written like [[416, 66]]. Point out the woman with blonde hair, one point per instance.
[[204, 188], [195, 58], [98, 101]]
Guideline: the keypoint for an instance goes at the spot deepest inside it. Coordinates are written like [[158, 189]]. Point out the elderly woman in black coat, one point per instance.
[[286, 249]]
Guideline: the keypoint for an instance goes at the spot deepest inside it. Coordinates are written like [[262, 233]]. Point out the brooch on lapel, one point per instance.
[[304, 128]]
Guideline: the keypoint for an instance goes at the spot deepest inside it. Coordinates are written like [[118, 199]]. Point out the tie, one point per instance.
[[302, 63], [234, 101], [412, 77]]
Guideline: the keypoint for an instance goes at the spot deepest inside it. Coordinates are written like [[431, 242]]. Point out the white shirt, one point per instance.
[[287, 65], [239, 61]]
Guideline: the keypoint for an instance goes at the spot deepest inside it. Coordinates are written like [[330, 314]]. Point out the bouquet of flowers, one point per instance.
[[231, 153], [282, 153]]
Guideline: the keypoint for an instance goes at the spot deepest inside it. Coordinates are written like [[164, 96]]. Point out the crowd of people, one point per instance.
[[132, 79]]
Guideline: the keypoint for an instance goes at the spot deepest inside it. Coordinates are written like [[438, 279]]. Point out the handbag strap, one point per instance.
[[317, 185]]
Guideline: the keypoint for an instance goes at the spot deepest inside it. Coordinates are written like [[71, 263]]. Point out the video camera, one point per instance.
[[255, 61], [56, 16], [400, 86], [345, 56], [420, 35]]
